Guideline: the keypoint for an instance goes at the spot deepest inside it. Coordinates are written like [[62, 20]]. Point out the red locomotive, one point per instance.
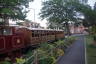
[[13, 38]]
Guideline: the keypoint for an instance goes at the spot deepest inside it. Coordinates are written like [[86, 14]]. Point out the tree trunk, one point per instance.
[[67, 28]]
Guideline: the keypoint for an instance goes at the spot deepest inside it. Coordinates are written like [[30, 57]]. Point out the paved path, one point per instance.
[[76, 53]]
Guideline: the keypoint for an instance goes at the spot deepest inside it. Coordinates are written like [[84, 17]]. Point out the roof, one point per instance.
[[31, 28]]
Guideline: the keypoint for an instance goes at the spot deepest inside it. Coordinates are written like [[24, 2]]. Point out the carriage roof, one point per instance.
[[17, 26]]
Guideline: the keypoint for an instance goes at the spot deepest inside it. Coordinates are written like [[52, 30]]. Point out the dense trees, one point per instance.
[[13, 9], [59, 12]]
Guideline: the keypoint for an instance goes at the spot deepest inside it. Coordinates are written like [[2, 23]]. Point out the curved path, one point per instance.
[[76, 53]]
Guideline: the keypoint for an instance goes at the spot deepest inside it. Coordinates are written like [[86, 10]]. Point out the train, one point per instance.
[[13, 38]]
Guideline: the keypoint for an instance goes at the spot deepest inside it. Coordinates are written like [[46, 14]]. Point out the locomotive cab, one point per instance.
[[5, 30], [9, 41]]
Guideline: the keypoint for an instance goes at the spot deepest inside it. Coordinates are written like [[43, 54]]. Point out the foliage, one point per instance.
[[5, 62], [59, 43], [49, 60], [60, 13], [47, 53], [93, 32], [88, 13], [93, 29], [29, 53], [46, 50], [19, 23], [71, 39], [91, 50], [13, 9], [42, 53], [57, 13], [20, 60], [46, 47], [60, 52]]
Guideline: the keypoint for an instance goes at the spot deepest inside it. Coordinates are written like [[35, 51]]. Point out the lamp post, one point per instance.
[[34, 12]]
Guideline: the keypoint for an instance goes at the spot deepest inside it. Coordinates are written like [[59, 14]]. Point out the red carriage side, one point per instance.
[[10, 41]]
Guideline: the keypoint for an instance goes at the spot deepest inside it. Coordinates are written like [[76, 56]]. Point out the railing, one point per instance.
[[31, 59], [34, 58]]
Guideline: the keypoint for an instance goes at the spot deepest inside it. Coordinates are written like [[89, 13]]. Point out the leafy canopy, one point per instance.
[[59, 11], [62, 11], [14, 9], [56, 11]]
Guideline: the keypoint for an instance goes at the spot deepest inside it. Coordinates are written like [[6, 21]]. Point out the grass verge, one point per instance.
[[91, 51]]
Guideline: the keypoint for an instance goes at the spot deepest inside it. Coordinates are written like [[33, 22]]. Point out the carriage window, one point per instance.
[[52, 33], [47, 33], [33, 34], [6, 31]]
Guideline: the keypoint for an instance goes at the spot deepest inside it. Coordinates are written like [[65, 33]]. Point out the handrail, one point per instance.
[[34, 56], [29, 58]]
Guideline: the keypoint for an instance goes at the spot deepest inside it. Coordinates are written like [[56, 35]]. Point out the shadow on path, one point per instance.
[[76, 54]]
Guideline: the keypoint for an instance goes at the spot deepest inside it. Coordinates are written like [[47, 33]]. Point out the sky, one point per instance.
[[35, 7], [91, 2]]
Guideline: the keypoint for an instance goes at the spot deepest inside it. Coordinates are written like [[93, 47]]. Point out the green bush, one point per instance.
[[5, 62], [48, 53], [46, 47], [70, 40], [94, 37], [91, 50], [49, 60]]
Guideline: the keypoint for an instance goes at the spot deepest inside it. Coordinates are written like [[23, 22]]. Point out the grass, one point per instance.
[[91, 51]]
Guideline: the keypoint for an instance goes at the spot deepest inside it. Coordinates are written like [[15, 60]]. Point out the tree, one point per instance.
[[89, 17], [95, 6], [55, 12], [13, 9], [59, 12], [88, 13]]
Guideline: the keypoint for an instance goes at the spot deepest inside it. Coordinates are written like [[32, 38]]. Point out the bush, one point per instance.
[[70, 40], [5, 62], [49, 60], [46, 47], [94, 37], [20, 60], [47, 53]]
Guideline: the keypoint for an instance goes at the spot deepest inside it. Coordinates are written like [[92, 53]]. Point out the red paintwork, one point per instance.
[[9, 43], [1, 43]]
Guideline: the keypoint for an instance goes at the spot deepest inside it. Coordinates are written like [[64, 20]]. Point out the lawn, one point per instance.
[[91, 51]]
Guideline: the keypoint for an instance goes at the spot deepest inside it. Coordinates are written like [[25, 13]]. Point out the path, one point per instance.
[[76, 53]]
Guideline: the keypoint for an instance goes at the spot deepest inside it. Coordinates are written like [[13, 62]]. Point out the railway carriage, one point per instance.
[[13, 38]]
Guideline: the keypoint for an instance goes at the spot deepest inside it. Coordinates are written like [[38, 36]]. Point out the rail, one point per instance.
[[31, 59], [34, 58]]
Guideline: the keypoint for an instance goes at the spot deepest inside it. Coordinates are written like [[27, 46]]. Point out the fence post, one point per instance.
[[36, 58]]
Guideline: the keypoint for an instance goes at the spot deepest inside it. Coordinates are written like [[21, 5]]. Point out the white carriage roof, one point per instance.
[[17, 26], [43, 29]]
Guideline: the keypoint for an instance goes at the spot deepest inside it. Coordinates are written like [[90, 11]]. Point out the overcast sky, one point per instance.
[[36, 5], [91, 2]]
